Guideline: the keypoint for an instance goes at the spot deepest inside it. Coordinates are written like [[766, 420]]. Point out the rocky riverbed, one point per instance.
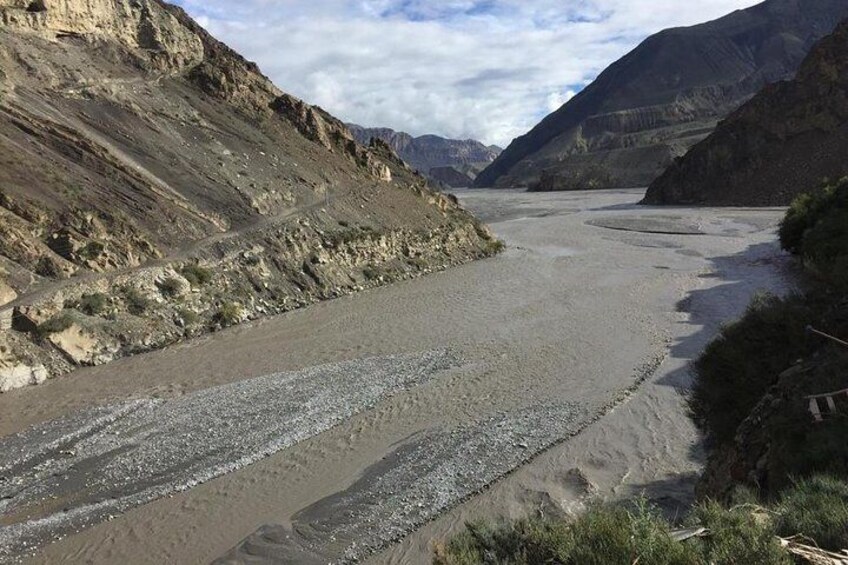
[[373, 425]]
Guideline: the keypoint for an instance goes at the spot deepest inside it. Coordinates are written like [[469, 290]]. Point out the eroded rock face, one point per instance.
[[16, 370], [82, 347], [134, 146], [7, 293], [783, 142], [662, 98], [139, 25]]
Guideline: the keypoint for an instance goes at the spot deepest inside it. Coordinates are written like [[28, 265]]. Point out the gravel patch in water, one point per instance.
[[78, 470], [419, 480]]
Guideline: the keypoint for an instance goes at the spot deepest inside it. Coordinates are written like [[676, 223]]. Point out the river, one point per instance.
[[374, 425]]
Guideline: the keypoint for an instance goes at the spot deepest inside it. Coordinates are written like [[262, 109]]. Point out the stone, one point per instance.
[[7, 293], [19, 376], [81, 347]]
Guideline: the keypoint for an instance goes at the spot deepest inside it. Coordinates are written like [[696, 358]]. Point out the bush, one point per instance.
[[608, 535], [816, 227], [189, 317], [92, 250], [93, 304], [371, 273], [229, 314], [170, 287], [524, 541], [137, 303], [737, 536], [803, 213], [54, 325], [817, 508], [744, 361], [605, 535], [196, 275], [48, 268]]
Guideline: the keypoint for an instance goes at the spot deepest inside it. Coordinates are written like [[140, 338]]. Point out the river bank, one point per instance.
[[577, 337]]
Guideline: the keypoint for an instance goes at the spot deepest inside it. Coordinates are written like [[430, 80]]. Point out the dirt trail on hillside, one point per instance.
[[568, 353]]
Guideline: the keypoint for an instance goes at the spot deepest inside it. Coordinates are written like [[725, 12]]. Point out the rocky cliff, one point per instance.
[[428, 152], [155, 185], [783, 142], [651, 106]]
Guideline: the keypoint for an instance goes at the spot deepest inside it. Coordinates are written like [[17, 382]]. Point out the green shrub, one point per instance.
[[816, 227], [609, 534], [48, 268], [189, 317], [371, 273], [737, 536], [803, 213], [744, 361], [229, 314], [92, 250], [196, 275], [817, 508], [54, 325], [495, 246], [170, 287], [604, 535], [137, 303], [93, 304], [520, 542]]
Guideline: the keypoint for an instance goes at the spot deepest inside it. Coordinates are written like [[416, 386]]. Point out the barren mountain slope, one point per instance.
[[785, 141], [129, 137], [428, 152], [652, 105]]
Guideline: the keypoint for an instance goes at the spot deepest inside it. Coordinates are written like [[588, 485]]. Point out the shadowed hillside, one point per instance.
[[666, 95], [783, 142]]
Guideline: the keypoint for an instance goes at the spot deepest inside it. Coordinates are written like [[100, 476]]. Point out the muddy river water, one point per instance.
[[372, 426]]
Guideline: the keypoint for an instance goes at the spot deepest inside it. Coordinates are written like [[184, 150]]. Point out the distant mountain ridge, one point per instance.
[[428, 152], [785, 141], [659, 100]]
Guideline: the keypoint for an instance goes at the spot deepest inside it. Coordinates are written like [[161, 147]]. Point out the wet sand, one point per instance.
[[556, 348]]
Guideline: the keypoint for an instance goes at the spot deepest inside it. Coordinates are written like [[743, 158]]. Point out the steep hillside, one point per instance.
[[430, 152], [783, 142], [155, 185], [655, 103]]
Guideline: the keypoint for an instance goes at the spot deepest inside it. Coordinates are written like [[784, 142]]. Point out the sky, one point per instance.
[[479, 69]]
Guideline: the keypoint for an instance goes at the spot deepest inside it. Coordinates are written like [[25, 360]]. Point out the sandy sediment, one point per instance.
[[81, 469]]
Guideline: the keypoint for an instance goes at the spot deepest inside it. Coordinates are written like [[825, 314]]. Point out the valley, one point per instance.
[[530, 381]]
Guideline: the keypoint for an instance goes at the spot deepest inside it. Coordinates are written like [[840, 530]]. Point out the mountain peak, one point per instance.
[[663, 97]]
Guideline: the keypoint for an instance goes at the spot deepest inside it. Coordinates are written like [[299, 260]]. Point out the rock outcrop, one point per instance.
[[155, 185], [655, 103], [431, 152], [785, 141]]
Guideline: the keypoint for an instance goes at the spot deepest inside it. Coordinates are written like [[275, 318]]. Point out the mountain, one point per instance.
[[431, 151], [449, 176], [785, 141], [155, 185], [651, 106]]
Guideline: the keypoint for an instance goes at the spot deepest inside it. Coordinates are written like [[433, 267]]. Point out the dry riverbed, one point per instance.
[[372, 425]]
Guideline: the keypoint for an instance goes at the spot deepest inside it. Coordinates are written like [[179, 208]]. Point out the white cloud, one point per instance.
[[557, 99], [485, 69]]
